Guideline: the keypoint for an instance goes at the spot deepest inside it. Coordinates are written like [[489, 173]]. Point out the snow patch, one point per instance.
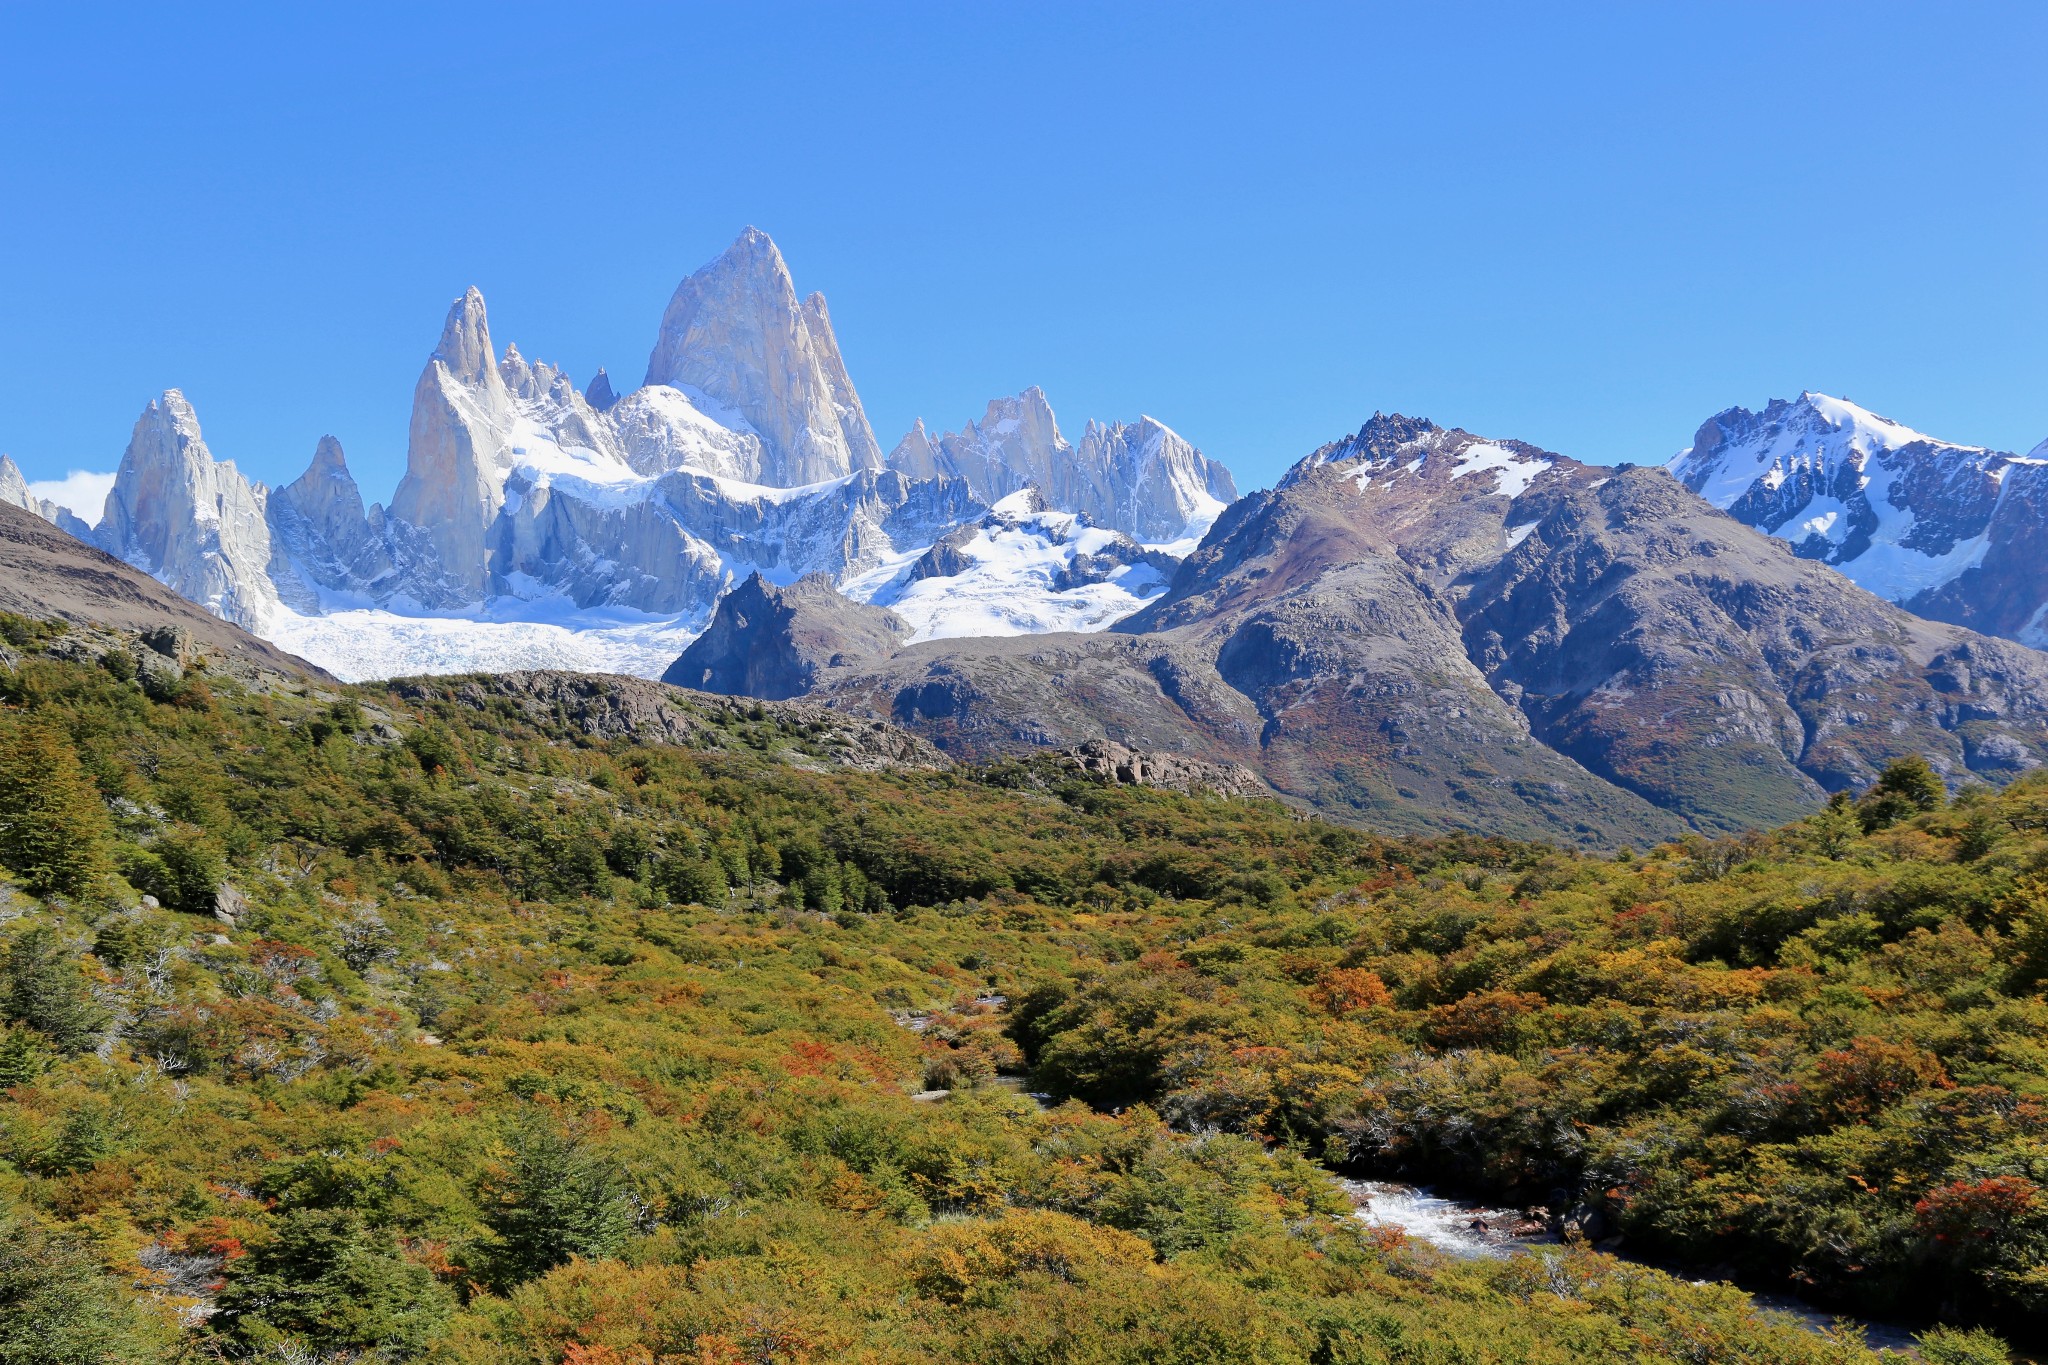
[[1515, 471], [366, 643]]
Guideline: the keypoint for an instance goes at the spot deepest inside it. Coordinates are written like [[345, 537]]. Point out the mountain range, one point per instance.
[[1420, 628], [537, 523], [1417, 628]]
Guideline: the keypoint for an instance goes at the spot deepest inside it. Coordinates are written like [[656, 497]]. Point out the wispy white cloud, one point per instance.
[[81, 492]]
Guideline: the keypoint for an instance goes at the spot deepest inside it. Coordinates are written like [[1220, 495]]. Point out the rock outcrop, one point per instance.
[[775, 642], [608, 707], [1113, 763]]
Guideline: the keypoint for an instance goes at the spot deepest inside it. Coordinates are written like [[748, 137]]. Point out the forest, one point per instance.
[[361, 1024]]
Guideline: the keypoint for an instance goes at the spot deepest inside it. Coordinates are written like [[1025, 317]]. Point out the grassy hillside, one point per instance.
[[352, 1024]]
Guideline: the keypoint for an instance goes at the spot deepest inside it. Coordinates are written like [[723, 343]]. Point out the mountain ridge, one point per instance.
[[596, 529], [1421, 624]]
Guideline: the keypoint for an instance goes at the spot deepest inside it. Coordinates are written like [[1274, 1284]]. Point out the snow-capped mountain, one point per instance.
[[191, 522], [1947, 531], [1023, 569], [1140, 478], [542, 526]]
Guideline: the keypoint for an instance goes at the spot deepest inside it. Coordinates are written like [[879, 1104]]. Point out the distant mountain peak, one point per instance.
[[465, 345], [736, 331], [599, 393], [1947, 530]]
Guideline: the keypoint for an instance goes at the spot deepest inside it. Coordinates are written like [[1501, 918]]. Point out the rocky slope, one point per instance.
[[1421, 627], [774, 642], [14, 491], [536, 522], [49, 575], [1947, 531]]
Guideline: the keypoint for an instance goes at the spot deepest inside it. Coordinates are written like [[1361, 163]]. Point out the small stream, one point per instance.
[[1463, 1228]]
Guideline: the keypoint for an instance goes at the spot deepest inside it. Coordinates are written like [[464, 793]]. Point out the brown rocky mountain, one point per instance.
[[1422, 628], [46, 574], [772, 642]]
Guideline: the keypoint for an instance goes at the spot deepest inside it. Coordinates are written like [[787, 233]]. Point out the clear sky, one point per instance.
[[1587, 226]]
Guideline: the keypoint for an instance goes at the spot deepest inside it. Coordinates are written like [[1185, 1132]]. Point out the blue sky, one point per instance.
[[1586, 226]]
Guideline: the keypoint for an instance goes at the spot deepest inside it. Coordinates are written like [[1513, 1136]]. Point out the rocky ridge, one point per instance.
[[14, 491]]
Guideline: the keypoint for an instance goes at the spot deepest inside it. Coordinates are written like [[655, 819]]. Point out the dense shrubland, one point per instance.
[[345, 1027]]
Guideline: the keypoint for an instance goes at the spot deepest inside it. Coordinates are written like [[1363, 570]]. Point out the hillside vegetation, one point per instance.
[[372, 1025]]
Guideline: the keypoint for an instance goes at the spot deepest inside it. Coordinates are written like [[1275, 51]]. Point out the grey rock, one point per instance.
[[193, 523], [14, 489], [616, 707], [1140, 478], [1119, 765], [736, 332], [775, 642]]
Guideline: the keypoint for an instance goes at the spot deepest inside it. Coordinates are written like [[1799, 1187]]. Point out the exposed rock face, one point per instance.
[[14, 490], [321, 537], [736, 333], [462, 422], [1139, 478], [613, 707], [1153, 484], [1712, 670], [1107, 761], [599, 393], [1948, 531], [190, 522], [774, 642]]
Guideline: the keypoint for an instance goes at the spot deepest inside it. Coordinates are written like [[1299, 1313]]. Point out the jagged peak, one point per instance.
[[328, 458], [465, 345], [1813, 426], [599, 393], [916, 440], [1383, 436], [752, 253], [1029, 408]]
